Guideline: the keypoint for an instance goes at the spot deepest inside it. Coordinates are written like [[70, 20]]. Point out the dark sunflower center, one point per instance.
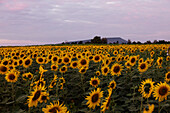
[[107, 61], [74, 64], [40, 60], [168, 76], [44, 98], [59, 61], [63, 69], [147, 108], [140, 61], [20, 62], [160, 61], [108, 102], [5, 63], [29, 76], [15, 63], [95, 98], [90, 57], [37, 95], [83, 62], [132, 60], [163, 91], [83, 70], [11, 77], [112, 85], [105, 70], [40, 83], [94, 82], [54, 110], [27, 62], [53, 83], [147, 88], [116, 69], [55, 59], [113, 58], [142, 66], [97, 73], [50, 56], [54, 67], [66, 60], [97, 58]]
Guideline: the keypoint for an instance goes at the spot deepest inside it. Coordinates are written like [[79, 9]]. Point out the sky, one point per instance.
[[32, 22]]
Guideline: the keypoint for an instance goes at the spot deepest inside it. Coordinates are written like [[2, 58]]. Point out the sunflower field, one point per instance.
[[85, 79]]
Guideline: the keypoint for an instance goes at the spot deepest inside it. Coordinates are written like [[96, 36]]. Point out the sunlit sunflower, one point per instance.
[[29, 75], [127, 64], [27, 62], [132, 60], [90, 57], [97, 58], [83, 62], [148, 108], [3, 69], [66, 60], [115, 52], [94, 98], [63, 69], [98, 73], [55, 108], [105, 105], [146, 88], [54, 59], [105, 70], [167, 76], [35, 96], [112, 59], [112, 84], [83, 70], [95, 81], [40, 60], [159, 60], [74, 64], [60, 61], [168, 58], [39, 83], [11, 76], [142, 67], [54, 67], [116, 69], [161, 91], [126, 58], [20, 61], [53, 82], [44, 97], [140, 60]]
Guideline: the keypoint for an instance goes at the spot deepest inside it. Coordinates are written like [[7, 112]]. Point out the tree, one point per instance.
[[80, 42], [104, 40], [129, 41], [134, 42], [96, 40]]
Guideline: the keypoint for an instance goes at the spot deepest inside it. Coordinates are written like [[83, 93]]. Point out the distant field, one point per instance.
[[85, 79]]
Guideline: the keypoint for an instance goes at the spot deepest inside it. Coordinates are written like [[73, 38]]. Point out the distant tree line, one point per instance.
[[149, 42]]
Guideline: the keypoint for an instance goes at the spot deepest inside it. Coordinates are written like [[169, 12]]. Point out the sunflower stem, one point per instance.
[[159, 110], [13, 94]]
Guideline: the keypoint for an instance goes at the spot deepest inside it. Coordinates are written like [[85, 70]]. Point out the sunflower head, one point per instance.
[[112, 84], [167, 76], [116, 69], [11, 76], [143, 67], [95, 81], [148, 108]]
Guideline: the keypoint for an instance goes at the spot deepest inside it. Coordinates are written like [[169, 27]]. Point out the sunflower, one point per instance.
[[94, 98], [54, 59], [126, 58], [20, 61], [161, 91], [95, 81], [55, 108], [148, 108], [98, 73], [127, 64], [112, 59], [3, 69], [60, 61], [66, 60], [83, 70], [143, 67], [140, 60], [44, 97], [159, 60], [115, 52], [29, 75], [90, 57], [27, 62], [74, 64], [40, 60], [11, 76], [54, 67], [83, 62], [63, 69], [105, 105], [105, 70], [35, 96], [116, 69], [132, 60], [112, 84], [40, 82], [167, 76], [97, 58], [146, 88], [53, 82], [168, 58]]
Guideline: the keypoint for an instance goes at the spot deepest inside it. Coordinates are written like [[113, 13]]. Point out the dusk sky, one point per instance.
[[24, 22]]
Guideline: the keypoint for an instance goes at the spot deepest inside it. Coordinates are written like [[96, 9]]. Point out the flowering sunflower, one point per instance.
[[148, 108], [143, 67], [161, 91], [74, 64], [95, 81], [112, 84], [116, 69], [40, 60], [63, 69], [3, 69], [132, 60], [27, 62], [55, 108], [35, 96], [44, 97], [53, 82], [167, 76], [83, 62], [97, 58], [66, 60], [98, 73], [105, 70], [54, 67], [54, 59], [105, 105], [159, 60], [94, 98], [29, 75], [83, 70], [11, 76], [146, 88]]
